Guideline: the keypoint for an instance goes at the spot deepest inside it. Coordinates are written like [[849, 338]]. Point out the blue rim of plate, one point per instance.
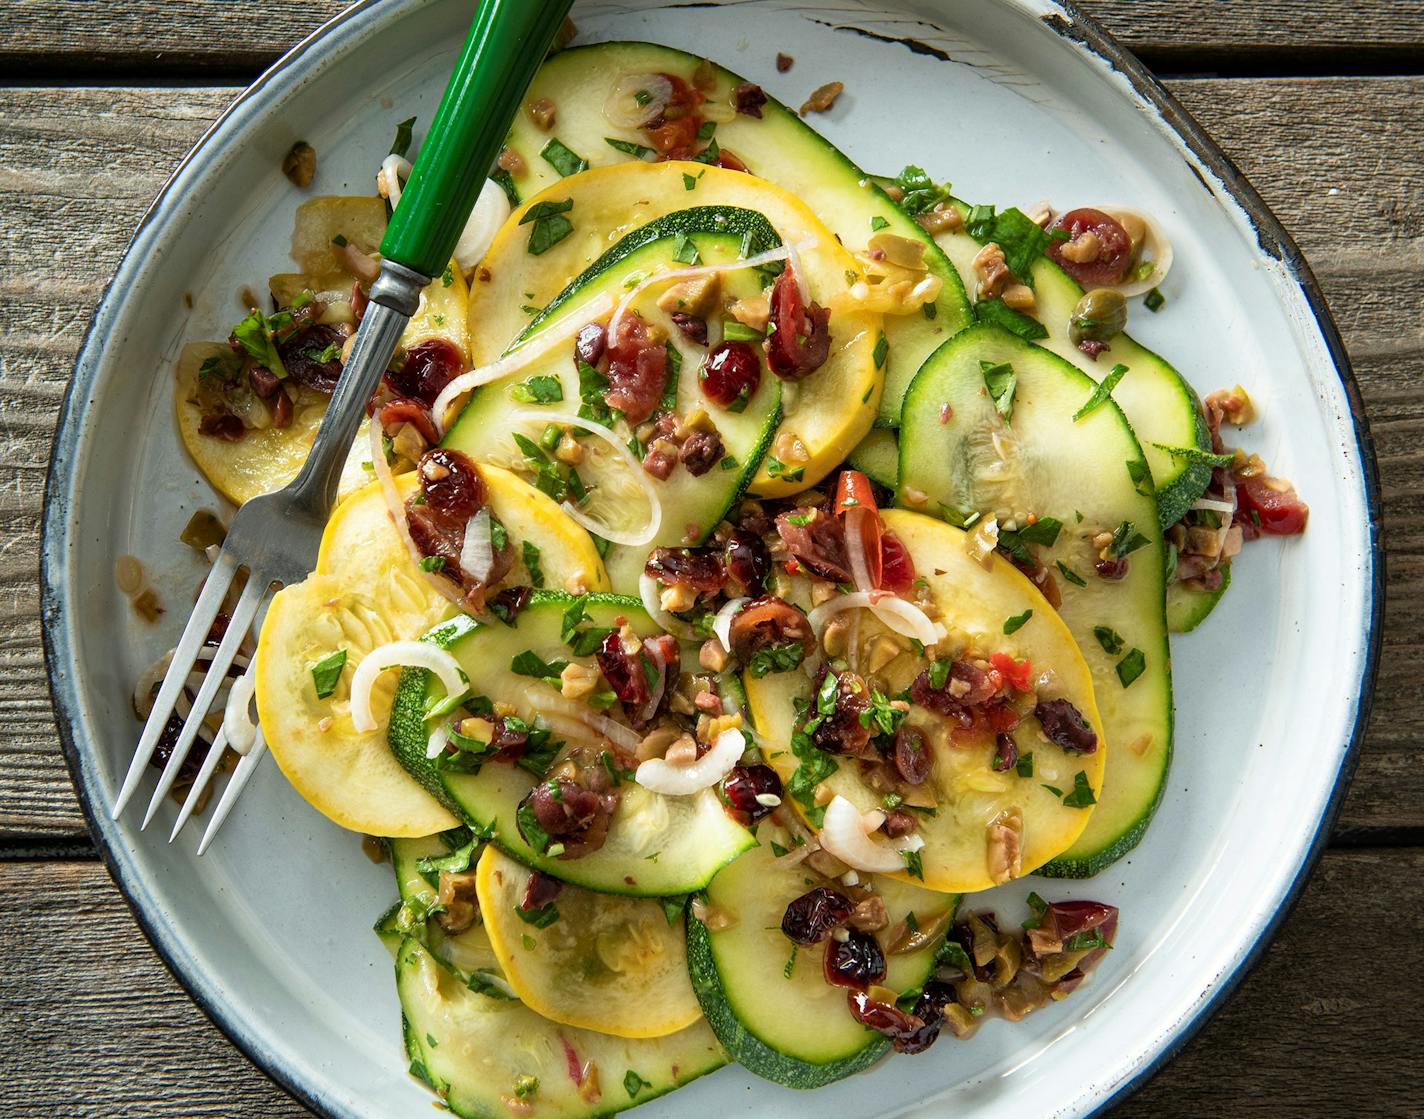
[[1069, 23]]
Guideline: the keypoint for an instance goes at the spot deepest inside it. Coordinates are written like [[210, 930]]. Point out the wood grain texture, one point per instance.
[[1340, 160], [92, 1018], [213, 38]]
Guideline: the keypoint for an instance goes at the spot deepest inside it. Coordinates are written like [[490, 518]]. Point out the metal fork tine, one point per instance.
[[195, 633], [200, 782], [239, 779], [242, 614]]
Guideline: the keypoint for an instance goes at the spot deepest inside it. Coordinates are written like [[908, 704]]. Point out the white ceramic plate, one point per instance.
[[1014, 100]]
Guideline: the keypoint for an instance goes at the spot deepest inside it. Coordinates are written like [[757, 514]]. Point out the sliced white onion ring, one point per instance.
[[655, 697], [722, 623], [491, 211], [237, 715], [637, 99], [793, 261], [399, 654], [660, 776], [394, 168], [556, 706], [635, 537], [438, 740], [477, 551], [650, 590], [1156, 250], [846, 834], [549, 337], [855, 548], [905, 618]]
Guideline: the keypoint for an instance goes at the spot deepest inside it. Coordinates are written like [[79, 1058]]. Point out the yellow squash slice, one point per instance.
[[606, 963], [366, 592], [966, 846], [828, 413]]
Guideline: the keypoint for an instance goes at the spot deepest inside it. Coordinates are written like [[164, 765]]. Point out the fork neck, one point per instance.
[[395, 295]]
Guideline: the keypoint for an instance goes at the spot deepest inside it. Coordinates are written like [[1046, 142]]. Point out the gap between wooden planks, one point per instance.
[[142, 38], [95, 1026], [1340, 160]]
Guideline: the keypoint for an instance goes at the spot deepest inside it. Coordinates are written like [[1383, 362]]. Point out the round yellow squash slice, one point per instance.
[[597, 961], [366, 592], [986, 826]]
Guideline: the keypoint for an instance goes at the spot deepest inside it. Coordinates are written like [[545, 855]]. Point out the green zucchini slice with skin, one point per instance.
[[483, 1055], [1187, 609], [1163, 409], [877, 456], [485, 427], [1090, 475], [766, 999], [469, 953], [657, 846], [777, 146]]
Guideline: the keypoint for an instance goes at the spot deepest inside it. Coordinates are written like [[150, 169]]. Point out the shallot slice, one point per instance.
[[660, 776], [400, 654], [847, 834]]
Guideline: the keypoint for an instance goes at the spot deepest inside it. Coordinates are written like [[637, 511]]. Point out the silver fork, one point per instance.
[[274, 538]]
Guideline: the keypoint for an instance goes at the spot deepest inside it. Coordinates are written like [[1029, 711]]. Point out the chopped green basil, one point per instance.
[[1131, 667], [1102, 392], [1001, 381], [558, 156], [542, 389], [628, 147], [999, 313], [327, 671], [1109, 638], [1017, 622]]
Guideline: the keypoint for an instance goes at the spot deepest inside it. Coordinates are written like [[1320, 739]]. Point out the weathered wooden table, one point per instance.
[[1321, 103]]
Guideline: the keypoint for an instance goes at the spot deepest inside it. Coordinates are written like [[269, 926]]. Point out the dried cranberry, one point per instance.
[[626, 673], [1114, 247], [883, 1017], [898, 824], [702, 451], [302, 355], [590, 342], [810, 918], [929, 1009], [801, 341], [1006, 753], [693, 328], [748, 98], [897, 569], [1113, 568], [540, 890], [742, 787], [842, 731], [857, 961], [731, 372], [509, 603], [1093, 347], [282, 411], [222, 425], [748, 561], [697, 568], [912, 755], [1064, 726], [637, 370], [263, 381], [817, 541], [506, 742], [428, 367], [452, 486], [394, 415], [975, 687]]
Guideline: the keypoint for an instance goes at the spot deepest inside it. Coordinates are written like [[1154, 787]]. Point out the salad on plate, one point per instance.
[[745, 558]]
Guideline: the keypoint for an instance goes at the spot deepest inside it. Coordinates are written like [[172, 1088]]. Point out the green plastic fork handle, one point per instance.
[[508, 40]]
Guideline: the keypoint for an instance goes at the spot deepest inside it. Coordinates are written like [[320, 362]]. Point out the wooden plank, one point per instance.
[[95, 1021], [79, 167], [58, 38]]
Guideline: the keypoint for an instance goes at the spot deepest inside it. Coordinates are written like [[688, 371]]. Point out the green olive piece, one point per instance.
[[1099, 316]]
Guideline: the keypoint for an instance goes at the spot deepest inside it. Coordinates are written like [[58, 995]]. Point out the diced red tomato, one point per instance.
[[1017, 673]]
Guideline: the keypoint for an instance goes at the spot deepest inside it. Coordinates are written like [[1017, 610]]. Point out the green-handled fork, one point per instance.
[[275, 537]]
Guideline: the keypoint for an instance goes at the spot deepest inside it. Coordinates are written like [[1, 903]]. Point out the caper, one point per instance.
[[1099, 316]]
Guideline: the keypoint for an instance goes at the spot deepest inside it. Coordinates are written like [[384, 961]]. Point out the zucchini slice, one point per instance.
[[657, 846], [877, 456], [828, 413], [598, 961], [777, 146], [1188, 609], [974, 600], [691, 507], [469, 953], [766, 999], [486, 1057], [1090, 475], [1161, 406]]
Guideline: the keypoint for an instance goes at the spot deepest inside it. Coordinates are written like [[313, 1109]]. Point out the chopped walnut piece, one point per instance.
[[789, 449], [511, 161], [823, 98], [942, 217], [712, 656], [991, 271], [1083, 249], [783, 62], [1019, 297], [754, 312], [542, 112], [1234, 406], [578, 680], [457, 895], [299, 165], [869, 915], [698, 296], [1004, 837]]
